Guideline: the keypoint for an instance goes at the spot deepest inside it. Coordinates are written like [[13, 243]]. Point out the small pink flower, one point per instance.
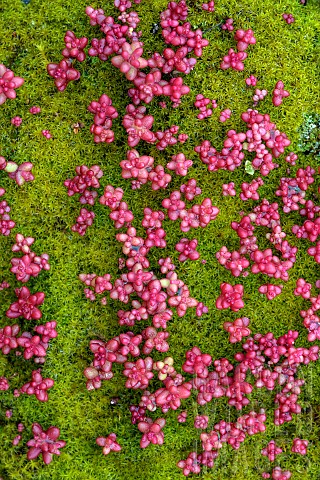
[[108, 444], [271, 451], [237, 329], [270, 291], [288, 18], [46, 134], [201, 309], [4, 385], [228, 189], [16, 121], [34, 110], [45, 443], [182, 417], [201, 421], [231, 297], [299, 446], [228, 25], [8, 84], [251, 81], [152, 432], [225, 115]]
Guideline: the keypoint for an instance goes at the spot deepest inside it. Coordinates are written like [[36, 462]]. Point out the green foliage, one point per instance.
[[32, 36], [309, 141]]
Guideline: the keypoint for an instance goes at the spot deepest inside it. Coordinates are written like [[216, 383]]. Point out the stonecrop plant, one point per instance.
[[197, 326]]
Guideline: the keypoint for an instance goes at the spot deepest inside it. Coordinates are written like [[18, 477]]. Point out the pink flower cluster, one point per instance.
[[279, 93], [64, 72], [288, 18], [228, 25], [85, 179], [203, 104], [167, 137], [30, 264], [38, 386], [153, 295], [209, 7], [244, 38], [250, 190], [8, 84], [104, 113], [271, 451], [251, 81], [20, 174], [44, 442], [108, 444], [6, 224], [225, 115], [16, 121], [231, 297], [237, 329], [258, 96]]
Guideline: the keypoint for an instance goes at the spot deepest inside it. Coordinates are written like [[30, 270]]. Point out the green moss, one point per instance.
[[32, 36]]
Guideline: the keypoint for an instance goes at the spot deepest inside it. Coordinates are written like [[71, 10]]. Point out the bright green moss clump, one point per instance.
[[31, 37]]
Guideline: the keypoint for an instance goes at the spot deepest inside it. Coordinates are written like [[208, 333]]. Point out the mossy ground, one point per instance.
[[32, 36]]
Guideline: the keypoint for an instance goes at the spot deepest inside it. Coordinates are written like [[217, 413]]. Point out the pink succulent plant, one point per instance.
[[237, 329], [187, 249], [270, 291], [225, 115], [209, 7], [4, 384], [231, 297], [26, 306], [288, 18], [8, 84], [45, 442], [228, 25], [190, 465], [299, 446], [16, 121], [279, 93], [279, 474], [152, 432], [63, 73], [244, 39], [108, 444], [251, 81], [34, 110], [74, 46], [38, 386], [233, 60], [201, 422], [271, 451], [8, 338], [130, 60]]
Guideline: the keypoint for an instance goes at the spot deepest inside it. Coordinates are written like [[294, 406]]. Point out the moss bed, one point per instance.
[[32, 36]]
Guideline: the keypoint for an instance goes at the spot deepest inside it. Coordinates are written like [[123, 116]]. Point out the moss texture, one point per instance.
[[32, 36]]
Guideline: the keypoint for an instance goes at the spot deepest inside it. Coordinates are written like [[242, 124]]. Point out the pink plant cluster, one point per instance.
[[27, 306], [8, 84], [273, 362], [209, 7], [33, 346], [234, 60], [20, 173], [204, 104], [104, 113], [288, 18], [228, 25], [45, 443], [260, 136], [263, 361], [84, 183]]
